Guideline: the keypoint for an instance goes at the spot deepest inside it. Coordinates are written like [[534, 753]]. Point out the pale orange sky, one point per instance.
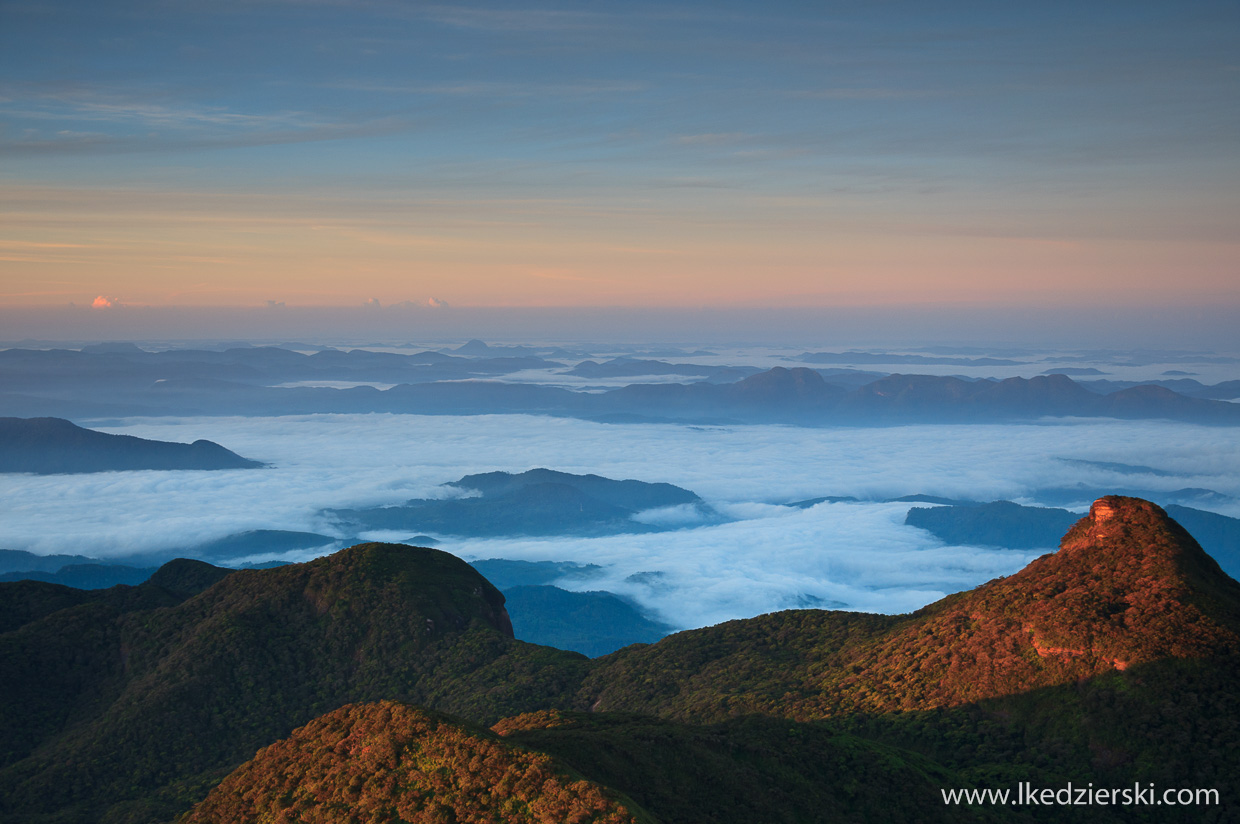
[[210, 249], [729, 155]]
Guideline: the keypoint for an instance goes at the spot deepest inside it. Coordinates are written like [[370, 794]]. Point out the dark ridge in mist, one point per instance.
[[48, 446], [536, 502]]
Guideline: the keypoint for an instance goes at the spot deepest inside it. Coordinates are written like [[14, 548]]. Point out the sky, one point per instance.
[[163, 155]]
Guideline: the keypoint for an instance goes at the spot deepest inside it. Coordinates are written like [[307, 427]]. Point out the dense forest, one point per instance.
[[1111, 661]]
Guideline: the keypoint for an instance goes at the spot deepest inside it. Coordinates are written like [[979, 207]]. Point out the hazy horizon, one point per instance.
[[1116, 327]]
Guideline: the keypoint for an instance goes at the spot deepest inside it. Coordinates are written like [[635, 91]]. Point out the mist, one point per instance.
[[769, 557]]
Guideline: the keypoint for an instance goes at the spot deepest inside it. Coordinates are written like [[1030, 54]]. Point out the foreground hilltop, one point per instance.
[[1085, 666], [390, 762], [1129, 586], [138, 698]]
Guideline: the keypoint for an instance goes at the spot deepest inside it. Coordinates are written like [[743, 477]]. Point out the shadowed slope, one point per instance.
[[168, 696]]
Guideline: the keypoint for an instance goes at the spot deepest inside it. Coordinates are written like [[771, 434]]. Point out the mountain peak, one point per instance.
[[1114, 516], [1128, 587], [1134, 531], [391, 761]]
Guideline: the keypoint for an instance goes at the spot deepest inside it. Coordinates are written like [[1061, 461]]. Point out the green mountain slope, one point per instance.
[[1112, 660], [391, 762], [146, 703], [1129, 586]]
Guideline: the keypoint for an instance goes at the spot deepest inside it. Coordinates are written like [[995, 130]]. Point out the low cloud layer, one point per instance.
[[856, 556]]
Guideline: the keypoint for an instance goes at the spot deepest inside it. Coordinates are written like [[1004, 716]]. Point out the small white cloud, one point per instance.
[[672, 516], [436, 303], [105, 302]]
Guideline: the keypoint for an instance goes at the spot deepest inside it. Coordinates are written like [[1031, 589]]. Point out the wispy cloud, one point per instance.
[[127, 122], [519, 20], [877, 93], [493, 88], [713, 138]]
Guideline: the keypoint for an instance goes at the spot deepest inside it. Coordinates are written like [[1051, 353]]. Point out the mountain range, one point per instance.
[[1111, 661], [121, 380]]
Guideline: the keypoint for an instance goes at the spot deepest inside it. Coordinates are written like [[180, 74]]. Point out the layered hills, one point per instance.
[[52, 446], [119, 381], [193, 685], [1111, 660]]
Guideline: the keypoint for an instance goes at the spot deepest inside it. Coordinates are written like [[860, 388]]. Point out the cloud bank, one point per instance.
[[856, 556]]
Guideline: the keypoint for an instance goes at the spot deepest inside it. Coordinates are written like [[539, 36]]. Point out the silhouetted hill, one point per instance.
[[628, 494], [18, 560], [631, 367], [537, 502], [885, 358], [592, 623], [505, 573], [935, 398], [86, 576], [53, 445], [257, 542], [185, 577], [999, 523], [778, 395]]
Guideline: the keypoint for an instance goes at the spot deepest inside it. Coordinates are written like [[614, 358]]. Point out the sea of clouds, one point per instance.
[[841, 555]]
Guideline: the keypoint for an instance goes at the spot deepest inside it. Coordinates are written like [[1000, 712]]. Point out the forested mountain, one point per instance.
[[1111, 660]]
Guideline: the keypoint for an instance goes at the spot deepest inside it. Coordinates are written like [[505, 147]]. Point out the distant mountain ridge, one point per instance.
[[53, 446], [277, 381]]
